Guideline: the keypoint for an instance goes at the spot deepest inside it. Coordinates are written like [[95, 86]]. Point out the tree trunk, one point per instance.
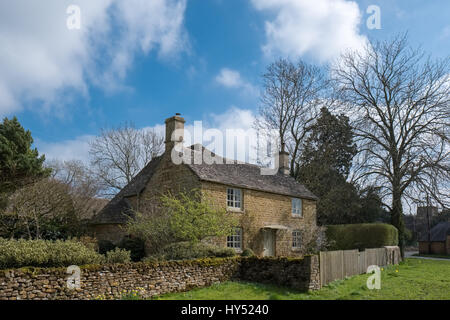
[[397, 220]]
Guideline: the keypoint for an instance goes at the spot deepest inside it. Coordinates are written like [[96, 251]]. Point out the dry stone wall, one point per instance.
[[151, 279], [300, 274]]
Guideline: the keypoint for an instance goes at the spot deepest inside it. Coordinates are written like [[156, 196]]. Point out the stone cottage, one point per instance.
[[274, 210]]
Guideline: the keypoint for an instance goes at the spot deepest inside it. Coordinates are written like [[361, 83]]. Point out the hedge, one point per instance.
[[361, 236], [46, 253], [189, 250]]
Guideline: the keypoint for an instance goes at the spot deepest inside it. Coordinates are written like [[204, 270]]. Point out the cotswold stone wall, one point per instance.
[[150, 279], [301, 274], [111, 281]]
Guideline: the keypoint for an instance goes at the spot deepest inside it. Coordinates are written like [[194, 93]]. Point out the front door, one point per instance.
[[269, 243]]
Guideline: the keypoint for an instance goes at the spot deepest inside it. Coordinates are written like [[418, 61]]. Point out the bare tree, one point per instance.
[[400, 103], [292, 98], [62, 202], [83, 186], [38, 203], [118, 154]]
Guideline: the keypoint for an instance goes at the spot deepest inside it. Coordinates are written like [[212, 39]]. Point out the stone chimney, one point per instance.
[[174, 131], [283, 161]]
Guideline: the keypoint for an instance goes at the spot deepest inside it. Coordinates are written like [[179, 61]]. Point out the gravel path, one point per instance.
[[409, 254]]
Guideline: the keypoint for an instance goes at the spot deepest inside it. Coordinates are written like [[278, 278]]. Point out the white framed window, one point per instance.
[[297, 207], [234, 198], [296, 239], [235, 239]]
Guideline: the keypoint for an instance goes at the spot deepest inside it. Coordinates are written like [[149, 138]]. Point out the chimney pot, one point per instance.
[[174, 131], [283, 161]]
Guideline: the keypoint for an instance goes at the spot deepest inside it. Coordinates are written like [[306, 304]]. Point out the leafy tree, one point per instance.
[[330, 143], [182, 217], [19, 163], [372, 209], [326, 162]]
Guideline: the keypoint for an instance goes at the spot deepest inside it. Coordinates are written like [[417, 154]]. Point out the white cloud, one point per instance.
[[232, 79], [229, 78], [74, 149], [321, 28], [41, 59], [233, 118]]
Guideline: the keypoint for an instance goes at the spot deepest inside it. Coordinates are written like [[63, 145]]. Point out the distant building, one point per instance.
[[439, 240], [425, 218]]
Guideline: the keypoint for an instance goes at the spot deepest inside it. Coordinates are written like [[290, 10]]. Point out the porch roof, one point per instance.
[[276, 227]]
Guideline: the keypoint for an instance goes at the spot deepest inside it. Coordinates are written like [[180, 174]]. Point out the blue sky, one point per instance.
[[143, 61]]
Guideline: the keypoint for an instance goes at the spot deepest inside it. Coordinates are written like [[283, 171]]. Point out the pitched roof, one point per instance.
[[245, 175], [226, 171], [438, 233], [249, 176], [118, 210]]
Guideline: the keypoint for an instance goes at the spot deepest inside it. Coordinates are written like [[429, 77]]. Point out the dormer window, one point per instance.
[[297, 207], [234, 198]]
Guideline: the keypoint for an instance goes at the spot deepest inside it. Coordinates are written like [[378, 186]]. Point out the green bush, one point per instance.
[[189, 250], [118, 256], [247, 253], [135, 245], [45, 253], [361, 236], [410, 240]]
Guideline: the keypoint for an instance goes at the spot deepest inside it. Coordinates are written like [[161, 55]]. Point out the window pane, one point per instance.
[[234, 198], [235, 240], [296, 206], [296, 239]]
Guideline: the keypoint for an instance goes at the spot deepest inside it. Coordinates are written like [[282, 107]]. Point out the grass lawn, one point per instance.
[[412, 279], [440, 256]]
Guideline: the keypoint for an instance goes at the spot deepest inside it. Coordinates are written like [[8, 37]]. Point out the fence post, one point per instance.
[[322, 267]]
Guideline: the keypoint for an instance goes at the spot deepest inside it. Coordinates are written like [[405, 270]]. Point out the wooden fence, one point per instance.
[[339, 264]]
